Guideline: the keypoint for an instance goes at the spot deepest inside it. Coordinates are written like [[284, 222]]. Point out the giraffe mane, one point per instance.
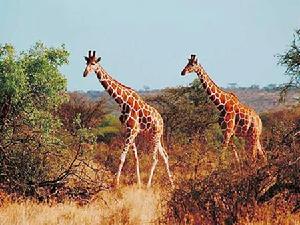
[[233, 95], [123, 85]]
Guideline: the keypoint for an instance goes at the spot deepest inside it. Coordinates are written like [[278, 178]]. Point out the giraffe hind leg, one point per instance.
[[164, 154], [256, 148], [227, 134], [153, 165], [261, 152]]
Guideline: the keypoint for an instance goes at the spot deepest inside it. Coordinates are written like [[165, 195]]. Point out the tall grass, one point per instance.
[[128, 205]]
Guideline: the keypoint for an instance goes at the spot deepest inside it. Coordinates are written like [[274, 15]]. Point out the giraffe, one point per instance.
[[235, 118], [137, 116]]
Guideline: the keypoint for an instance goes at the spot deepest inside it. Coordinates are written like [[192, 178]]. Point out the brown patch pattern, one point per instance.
[[235, 117]]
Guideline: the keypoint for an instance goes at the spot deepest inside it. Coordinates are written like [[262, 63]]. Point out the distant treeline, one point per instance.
[[94, 94]]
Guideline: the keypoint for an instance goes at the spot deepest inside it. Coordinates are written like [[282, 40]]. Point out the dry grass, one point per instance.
[[128, 205]]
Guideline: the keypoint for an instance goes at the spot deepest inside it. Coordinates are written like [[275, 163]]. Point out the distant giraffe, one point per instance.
[[136, 114], [235, 117]]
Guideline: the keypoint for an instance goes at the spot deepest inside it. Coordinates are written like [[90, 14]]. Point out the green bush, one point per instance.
[[31, 88]]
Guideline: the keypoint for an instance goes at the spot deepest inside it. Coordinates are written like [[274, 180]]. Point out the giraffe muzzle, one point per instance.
[[85, 73], [183, 72]]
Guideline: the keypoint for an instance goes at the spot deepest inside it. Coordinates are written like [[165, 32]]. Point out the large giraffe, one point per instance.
[[235, 117], [136, 114]]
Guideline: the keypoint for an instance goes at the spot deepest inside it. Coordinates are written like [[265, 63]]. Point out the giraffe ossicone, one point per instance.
[[136, 114], [235, 117]]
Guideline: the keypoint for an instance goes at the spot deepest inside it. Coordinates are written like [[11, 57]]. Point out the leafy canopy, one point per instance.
[[31, 85]]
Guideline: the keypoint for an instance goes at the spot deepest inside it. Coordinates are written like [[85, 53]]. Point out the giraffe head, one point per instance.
[[191, 65], [91, 63]]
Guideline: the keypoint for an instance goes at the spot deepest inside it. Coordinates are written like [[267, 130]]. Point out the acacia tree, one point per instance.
[[291, 60], [31, 88]]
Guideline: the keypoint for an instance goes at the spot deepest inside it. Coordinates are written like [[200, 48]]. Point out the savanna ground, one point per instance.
[[210, 187], [59, 153]]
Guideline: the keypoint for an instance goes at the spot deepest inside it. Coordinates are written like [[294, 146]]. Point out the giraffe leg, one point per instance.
[[227, 134], [153, 165], [129, 143], [255, 146], [164, 154], [261, 152], [252, 147], [254, 151], [122, 158], [234, 150], [248, 149], [137, 164]]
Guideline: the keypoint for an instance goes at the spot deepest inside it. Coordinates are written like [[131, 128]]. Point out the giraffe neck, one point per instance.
[[216, 94], [114, 88]]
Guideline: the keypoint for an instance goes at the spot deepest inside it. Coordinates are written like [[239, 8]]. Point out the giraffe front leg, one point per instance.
[[153, 165], [122, 160], [231, 143], [227, 134], [137, 164], [131, 134]]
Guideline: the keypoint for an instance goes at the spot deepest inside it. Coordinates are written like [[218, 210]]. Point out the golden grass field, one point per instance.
[[128, 205]]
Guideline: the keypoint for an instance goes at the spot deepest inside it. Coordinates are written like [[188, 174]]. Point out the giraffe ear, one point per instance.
[[98, 60], [86, 58]]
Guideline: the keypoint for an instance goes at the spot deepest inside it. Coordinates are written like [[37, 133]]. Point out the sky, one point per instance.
[[148, 42]]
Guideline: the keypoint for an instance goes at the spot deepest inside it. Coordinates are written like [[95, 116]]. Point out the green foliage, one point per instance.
[[31, 88], [31, 84], [291, 60], [32, 79], [109, 127]]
